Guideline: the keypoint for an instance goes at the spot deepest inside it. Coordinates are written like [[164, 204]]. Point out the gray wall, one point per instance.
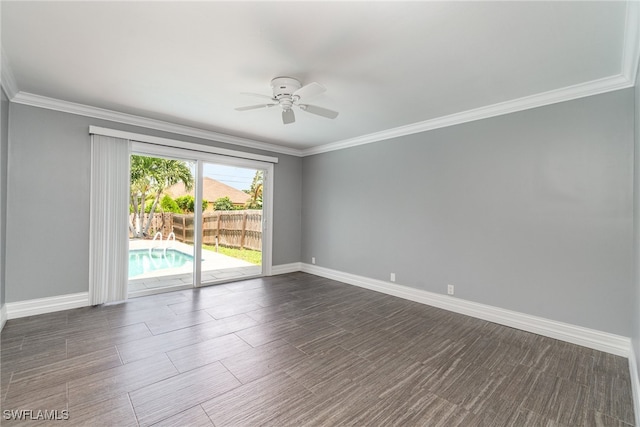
[[48, 207], [530, 211], [4, 145]]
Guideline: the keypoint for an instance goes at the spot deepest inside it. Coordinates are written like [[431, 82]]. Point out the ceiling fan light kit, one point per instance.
[[288, 93]]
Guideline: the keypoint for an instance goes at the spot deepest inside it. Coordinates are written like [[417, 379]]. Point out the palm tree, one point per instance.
[[140, 182], [255, 192], [152, 175]]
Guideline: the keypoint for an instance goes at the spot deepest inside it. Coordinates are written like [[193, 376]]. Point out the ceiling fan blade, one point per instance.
[[288, 116], [258, 95], [255, 107], [309, 91], [324, 112]]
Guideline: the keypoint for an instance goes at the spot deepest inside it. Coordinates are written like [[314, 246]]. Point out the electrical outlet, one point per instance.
[[393, 277], [313, 260], [450, 289]]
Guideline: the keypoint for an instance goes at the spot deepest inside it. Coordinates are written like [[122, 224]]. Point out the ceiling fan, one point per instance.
[[289, 93]]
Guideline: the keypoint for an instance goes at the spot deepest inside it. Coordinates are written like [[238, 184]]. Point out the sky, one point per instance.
[[235, 177]]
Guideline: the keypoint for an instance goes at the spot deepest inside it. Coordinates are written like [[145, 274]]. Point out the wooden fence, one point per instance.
[[235, 229]]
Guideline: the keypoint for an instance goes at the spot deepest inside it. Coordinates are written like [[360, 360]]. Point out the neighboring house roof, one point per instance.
[[212, 190]]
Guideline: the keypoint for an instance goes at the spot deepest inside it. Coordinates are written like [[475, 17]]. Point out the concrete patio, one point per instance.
[[216, 268]]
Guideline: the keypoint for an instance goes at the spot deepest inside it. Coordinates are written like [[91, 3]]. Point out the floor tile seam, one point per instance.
[[133, 409], [245, 341], [48, 396], [50, 334], [476, 406], [129, 390], [290, 378], [548, 416], [179, 328], [107, 342], [66, 364], [164, 418], [455, 405], [160, 334], [14, 348], [119, 355], [206, 364], [196, 309], [6, 393], [67, 395], [115, 329], [234, 376], [177, 372], [301, 350], [557, 417], [114, 343], [59, 382], [207, 414], [623, 422], [316, 353], [197, 340], [9, 361]]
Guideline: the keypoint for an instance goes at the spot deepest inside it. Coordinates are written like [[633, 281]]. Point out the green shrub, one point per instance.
[[166, 204], [187, 203], [169, 205], [147, 206], [223, 204], [183, 202]]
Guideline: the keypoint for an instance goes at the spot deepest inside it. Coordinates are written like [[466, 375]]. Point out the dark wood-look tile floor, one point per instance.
[[300, 350]]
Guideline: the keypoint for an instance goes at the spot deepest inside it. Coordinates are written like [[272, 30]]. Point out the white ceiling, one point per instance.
[[386, 65]]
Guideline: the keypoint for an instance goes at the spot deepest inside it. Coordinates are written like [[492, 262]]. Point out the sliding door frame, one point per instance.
[[199, 157], [200, 153]]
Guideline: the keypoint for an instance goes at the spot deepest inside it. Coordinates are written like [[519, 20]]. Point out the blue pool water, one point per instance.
[[140, 262]]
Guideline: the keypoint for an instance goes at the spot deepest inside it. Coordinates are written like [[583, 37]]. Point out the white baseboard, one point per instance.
[[286, 268], [46, 305], [603, 341], [3, 316], [635, 383]]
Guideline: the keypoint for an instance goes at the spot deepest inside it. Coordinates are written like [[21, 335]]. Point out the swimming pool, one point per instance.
[[142, 261]]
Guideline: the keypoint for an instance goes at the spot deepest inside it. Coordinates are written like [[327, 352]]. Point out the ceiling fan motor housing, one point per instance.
[[284, 87]]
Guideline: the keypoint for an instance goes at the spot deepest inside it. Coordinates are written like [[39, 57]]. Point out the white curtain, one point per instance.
[[109, 222]]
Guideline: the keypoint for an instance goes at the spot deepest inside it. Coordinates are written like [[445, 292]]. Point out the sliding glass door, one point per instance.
[[231, 222], [196, 219], [161, 254]]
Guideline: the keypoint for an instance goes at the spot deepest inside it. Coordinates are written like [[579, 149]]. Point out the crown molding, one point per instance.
[[569, 93], [8, 82], [130, 119]]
